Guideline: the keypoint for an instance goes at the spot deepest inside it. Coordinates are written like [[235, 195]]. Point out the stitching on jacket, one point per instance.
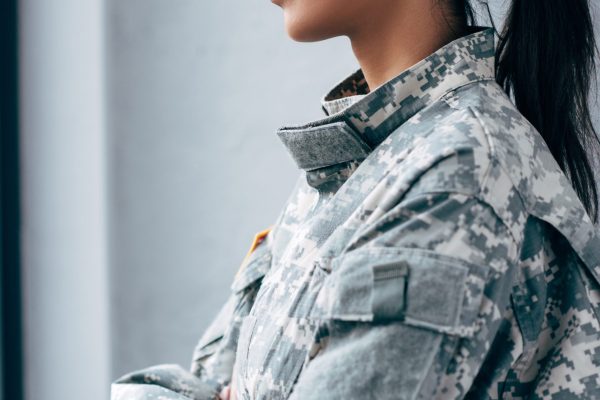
[[488, 135]]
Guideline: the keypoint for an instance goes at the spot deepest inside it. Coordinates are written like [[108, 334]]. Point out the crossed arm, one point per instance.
[[459, 261]]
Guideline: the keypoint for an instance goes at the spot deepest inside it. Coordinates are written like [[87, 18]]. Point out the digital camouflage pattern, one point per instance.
[[431, 249]]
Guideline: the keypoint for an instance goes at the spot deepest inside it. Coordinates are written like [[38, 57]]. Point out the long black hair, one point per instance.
[[545, 60]]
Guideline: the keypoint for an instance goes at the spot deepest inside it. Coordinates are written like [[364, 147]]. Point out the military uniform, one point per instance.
[[431, 249]]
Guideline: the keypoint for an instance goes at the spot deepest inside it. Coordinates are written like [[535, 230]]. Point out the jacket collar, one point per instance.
[[359, 119]]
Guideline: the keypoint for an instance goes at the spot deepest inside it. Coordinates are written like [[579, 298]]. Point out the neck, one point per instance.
[[384, 47]]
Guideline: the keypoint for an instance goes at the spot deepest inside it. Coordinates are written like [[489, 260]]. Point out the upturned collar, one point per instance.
[[359, 119]]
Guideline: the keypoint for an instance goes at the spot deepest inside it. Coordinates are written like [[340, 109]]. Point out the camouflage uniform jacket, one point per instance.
[[431, 249]]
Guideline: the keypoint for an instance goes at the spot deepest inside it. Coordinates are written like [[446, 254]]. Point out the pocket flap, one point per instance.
[[253, 267], [417, 286]]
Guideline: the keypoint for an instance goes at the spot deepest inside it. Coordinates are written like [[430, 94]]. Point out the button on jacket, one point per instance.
[[431, 248]]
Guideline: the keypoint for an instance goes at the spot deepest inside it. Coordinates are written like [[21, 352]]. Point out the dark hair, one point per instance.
[[545, 59]]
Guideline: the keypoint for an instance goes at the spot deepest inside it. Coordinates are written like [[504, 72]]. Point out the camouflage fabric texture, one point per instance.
[[431, 248]]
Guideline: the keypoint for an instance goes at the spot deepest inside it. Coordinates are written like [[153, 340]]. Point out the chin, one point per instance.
[[308, 28], [304, 35]]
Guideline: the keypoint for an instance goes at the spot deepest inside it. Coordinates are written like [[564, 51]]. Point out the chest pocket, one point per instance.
[[414, 286]]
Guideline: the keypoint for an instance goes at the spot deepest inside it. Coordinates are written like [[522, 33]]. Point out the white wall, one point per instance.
[[64, 200]]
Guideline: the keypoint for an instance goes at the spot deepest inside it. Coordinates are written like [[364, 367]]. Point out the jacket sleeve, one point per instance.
[[214, 354], [410, 309]]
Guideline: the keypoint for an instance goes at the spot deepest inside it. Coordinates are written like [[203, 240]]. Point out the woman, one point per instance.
[[433, 246]]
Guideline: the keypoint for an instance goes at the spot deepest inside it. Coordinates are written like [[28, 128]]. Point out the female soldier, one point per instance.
[[433, 246]]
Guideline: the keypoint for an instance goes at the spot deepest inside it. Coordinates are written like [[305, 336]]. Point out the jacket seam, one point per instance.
[[444, 96], [487, 174], [482, 201], [491, 155]]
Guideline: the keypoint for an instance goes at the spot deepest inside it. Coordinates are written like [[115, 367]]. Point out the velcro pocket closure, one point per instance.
[[417, 286], [390, 287]]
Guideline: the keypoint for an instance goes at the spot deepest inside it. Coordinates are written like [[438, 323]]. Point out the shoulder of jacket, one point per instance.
[[523, 178], [453, 156], [513, 144], [471, 154], [453, 150]]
